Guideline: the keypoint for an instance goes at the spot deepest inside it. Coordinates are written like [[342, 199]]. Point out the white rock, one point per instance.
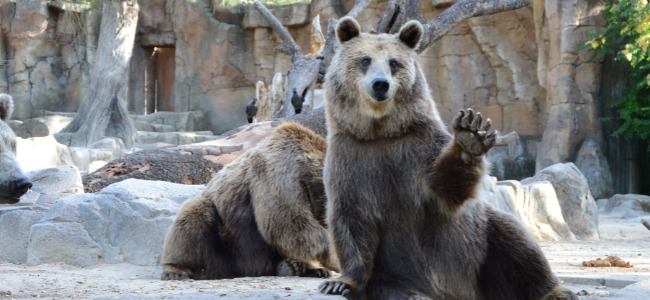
[[51, 184], [41, 152], [14, 231], [627, 206], [578, 206], [535, 204], [125, 222], [61, 242]]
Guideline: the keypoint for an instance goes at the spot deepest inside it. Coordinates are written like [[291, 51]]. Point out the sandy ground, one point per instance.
[[627, 239]]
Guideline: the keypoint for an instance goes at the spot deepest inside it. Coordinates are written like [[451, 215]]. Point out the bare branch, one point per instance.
[[359, 6], [290, 47], [391, 17], [462, 10], [506, 139], [414, 10]]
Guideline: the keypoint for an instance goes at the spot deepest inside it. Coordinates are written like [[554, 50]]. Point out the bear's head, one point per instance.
[[13, 182], [375, 87]]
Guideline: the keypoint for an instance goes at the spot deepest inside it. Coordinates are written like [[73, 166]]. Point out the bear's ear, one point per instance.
[[346, 29], [6, 107], [411, 33]]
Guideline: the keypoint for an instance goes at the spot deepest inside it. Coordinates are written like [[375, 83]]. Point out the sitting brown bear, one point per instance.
[[263, 214], [400, 188]]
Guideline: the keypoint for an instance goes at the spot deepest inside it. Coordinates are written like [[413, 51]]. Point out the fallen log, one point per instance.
[[193, 163]]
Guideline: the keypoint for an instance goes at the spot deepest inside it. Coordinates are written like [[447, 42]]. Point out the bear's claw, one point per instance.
[[334, 287], [469, 134], [174, 276]]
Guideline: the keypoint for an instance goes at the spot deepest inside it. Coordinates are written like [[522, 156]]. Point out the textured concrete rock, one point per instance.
[[593, 164], [510, 162], [51, 184], [179, 121], [14, 231], [572, 79], [61, 242], [125, 222], [46, 55], [288, 15], [578, 206], [152, 190], [174, 138], [44, 126], [627, 206], [535, 204]]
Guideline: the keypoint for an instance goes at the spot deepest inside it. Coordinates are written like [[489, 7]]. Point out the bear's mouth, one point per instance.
[[380, 98]]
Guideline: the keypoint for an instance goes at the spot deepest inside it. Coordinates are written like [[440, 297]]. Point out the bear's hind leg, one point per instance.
[[193, 246], [515, 266]]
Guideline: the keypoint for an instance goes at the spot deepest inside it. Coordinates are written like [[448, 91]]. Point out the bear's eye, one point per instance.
[[365, 61], [394, 65]]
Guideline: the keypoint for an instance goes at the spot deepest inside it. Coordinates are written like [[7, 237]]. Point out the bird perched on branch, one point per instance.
[[296, 101], [251, 110]]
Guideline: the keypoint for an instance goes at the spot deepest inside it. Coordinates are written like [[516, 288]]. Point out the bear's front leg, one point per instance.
[[457, 172]]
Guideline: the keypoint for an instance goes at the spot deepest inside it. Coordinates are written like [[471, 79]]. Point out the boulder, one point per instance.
[[125, 222], [51, 184], [61, 242], [626, 206], [15, 223], [593, 164], [578, 206], [535, 204], [42, 152], [511, 161], [44, 126]]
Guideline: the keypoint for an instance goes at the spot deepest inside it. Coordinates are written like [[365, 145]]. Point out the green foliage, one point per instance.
[[233, 3], [627, 37]]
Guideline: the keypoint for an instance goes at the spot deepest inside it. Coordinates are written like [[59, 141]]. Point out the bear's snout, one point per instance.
[[380, 87], [20, 186]]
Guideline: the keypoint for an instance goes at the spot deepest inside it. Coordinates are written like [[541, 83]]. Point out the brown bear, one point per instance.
[[400, 188], [13, 182], [263, 214]]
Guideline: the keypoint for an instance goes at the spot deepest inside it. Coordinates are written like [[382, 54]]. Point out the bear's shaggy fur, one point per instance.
[[263, 214], [13, 182], [399, 187]]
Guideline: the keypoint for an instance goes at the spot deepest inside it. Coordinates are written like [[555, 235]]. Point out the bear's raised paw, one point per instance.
[[469, 134]]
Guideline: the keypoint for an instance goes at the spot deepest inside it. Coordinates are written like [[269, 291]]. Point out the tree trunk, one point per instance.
[[103, 111]]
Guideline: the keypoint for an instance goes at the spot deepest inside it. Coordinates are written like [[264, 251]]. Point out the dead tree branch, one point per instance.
[[414, 10], [393, 18], [306, 71], [358, 7], [460, 11], [289, 45]]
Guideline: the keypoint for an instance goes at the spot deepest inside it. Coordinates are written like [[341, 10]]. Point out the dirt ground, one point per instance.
[[627, 239]]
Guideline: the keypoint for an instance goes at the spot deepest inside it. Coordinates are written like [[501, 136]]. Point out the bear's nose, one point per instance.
[[380, 86], [20, 186]]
